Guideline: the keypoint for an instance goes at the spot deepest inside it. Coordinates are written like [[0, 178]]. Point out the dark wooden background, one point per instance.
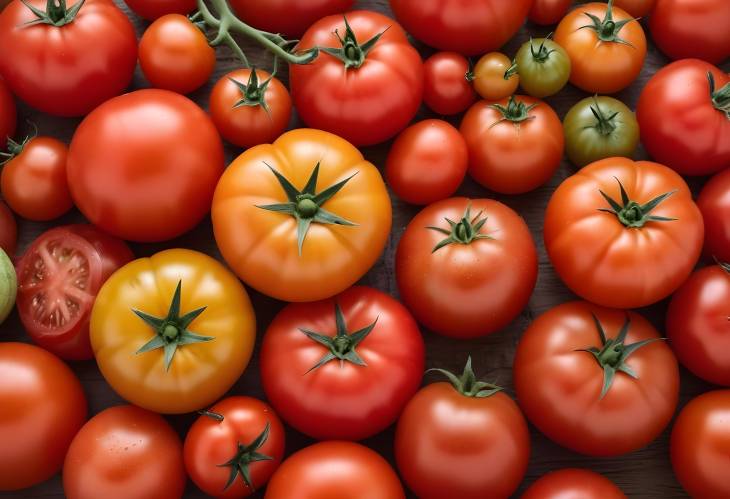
[[645, 473]]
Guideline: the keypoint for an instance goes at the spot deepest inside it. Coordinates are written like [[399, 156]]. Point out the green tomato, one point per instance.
[[543, 66], [599, 127], [8, 286]]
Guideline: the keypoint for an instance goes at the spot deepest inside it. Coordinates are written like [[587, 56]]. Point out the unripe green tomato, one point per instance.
[[543, 66], [8, 286]]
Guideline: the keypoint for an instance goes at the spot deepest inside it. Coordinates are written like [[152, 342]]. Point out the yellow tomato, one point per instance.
[[301, 219], [166, 355]]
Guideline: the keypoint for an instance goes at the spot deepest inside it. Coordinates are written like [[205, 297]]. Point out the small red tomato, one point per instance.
[[714, 203], [153, 9], [8, 114], [446, 87], [427, 162], [8, 230], [250, 107], [545, 12], [573, 483]]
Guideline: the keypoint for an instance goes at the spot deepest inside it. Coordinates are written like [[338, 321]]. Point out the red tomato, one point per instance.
[[360, 474], [698, 325], [700, 445], [8, 114], [545, 12], [441, 271], [446, 86], [470, 28], [714, 203], [692, 28], [573, 483], [515, 145], [684, 119], [153, 9], [637, 8], [364, 93], [174, 54], [8, 230], [342, 368], [58, 278], [67, 68], [162, 158], [34, 181], [427, 162], [595, 380], [125, 452], [290, 17], [234, 447], [464, 439], [43, 406], [250, 107]]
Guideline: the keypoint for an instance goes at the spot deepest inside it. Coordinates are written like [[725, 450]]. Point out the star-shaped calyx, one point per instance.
[[352, 54], [244, 456], [467, 384], [515, 111], [607, 30], [56, 13], [464, 231], [632, 214], [171, 331], [253, 93]]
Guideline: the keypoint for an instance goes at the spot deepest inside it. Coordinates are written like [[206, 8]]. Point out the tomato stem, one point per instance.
[[606, 29], [467, 384], [632, 214], [244, 456], [464, 231], [721, 97], [604, 124], [352, 53], [515, 111], [56, 13]]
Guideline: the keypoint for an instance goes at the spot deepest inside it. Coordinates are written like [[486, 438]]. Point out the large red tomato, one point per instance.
[[342, 368], [43, 406], [153, 9], [143, 166], [455, 253], [623, 234], [367, 82], [573, 483], [684, 117], [700, 446], [464, 439], [66, 63], [470, 27], [289, 17], [595, 380], [714, 203], [8, 114]]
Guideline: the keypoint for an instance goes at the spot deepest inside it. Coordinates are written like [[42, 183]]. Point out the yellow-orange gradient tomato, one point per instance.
[[303, 218], [171, 333]]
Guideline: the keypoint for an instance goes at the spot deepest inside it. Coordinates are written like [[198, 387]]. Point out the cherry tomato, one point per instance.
[[700, 445], [8, 114], [250, 107], [290, 17], [598, 381], [427, 162], [442, 270], [43, 406], [545, 12], [59, 276], [714, 203], [124, 452], [488, 76], [573, 483], [153, 9], [63, 65], [446, 87], [361, 474], [637, 8], [544, 67], [234, 447], [174, 54], [8, 230], [515, 145]]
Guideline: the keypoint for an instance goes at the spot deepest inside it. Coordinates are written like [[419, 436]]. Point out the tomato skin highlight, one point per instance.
[[573, 482], [290, 17], [154, 9], [446, 89], [714, 203], [8, 114]]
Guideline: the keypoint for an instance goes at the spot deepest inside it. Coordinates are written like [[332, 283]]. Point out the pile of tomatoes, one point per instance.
[[302, 215]]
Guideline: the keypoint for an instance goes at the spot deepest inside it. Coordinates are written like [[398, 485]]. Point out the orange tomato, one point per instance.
[[488, 76]]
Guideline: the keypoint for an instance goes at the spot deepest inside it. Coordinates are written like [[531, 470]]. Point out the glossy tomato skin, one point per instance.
[[333, 257], [174, 54], [427, 162], [247, 126], [125, 452], [469, 28], [488, 77], [508, 157], [692, 28], [43, 408], [679, 125], [210, 443], [602, 67], [637, 8], [199, 372], [573, 483], [76, 261], [451, 445], [607, 263], [8, 230], [546, 12], [8, 114], [162, 158], [361, 474], [153, 9], [559, 387], [290, 17], [545, 74], [445, 289], [714, 203], [342, 400], [446, 89], [700, 444], [330, 97], [67, 70], [698, 326]]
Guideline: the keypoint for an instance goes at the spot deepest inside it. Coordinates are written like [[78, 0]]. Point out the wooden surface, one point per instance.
[[645, 473]]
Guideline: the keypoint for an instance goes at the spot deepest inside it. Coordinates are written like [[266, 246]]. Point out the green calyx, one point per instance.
[[343, 345], [613, 353], [351, 53], [468, 384], [464, 231], [306, 205], [542, 53], [56, 13], [14, 149], [515, 111], [604, 123], [720, 97], [607, 30], [253, 93], [171, 331], [632, 214], [244, 456]]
